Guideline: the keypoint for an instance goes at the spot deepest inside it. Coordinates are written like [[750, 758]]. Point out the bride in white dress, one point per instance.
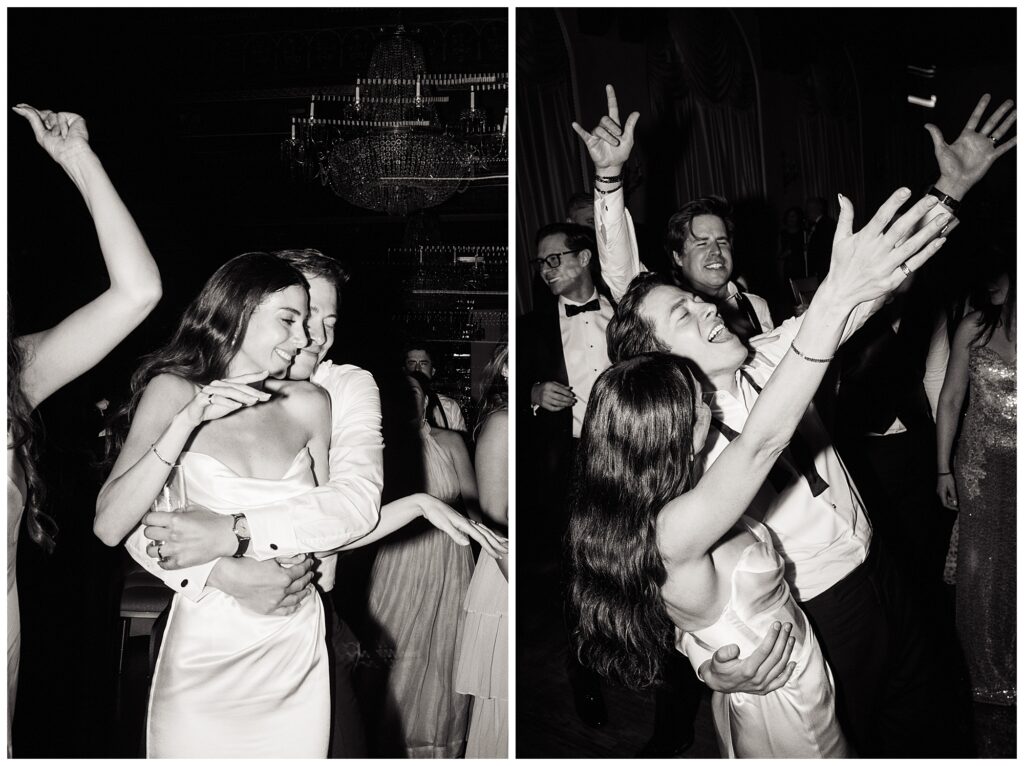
[[230, 682], [663, 557]]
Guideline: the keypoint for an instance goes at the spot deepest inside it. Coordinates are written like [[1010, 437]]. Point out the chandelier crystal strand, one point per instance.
[[390, 151]]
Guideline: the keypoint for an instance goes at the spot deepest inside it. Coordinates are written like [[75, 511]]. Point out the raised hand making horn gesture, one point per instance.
[[611, 142]]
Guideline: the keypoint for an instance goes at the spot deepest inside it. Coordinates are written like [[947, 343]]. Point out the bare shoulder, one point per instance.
[[304, 397], [447, 438], [968, 328], [495, 427], [171, 388]]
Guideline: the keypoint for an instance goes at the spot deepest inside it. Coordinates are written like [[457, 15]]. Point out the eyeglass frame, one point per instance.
[[535, 262]]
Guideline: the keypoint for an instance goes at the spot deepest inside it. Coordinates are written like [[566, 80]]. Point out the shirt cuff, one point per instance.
[[270, 535]]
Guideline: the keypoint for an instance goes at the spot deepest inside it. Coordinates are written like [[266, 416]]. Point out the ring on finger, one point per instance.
[[906, 269], [160, 552], [993, 139], [209, 398]]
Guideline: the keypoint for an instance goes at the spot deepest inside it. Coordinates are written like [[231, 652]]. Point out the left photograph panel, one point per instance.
[[257, 361]]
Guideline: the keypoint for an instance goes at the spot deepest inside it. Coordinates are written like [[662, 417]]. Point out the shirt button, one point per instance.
[[273, 546], [184, 583]]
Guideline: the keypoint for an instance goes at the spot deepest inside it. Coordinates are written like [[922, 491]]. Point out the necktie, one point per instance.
[[747, 308], [797, 454], [572, 310]]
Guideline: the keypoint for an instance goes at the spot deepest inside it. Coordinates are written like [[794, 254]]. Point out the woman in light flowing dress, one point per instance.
[[482, 669], [40, 363]]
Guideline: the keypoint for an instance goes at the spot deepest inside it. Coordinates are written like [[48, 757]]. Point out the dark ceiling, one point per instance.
[[188, 107]]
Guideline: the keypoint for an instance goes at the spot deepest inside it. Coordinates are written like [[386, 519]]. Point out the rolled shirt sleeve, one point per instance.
[[348, 506]]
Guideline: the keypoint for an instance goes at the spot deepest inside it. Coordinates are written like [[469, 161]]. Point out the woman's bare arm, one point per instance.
[[56, 356]]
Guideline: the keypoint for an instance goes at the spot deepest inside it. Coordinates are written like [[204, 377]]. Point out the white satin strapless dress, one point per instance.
[[796, 721], [230, 683]]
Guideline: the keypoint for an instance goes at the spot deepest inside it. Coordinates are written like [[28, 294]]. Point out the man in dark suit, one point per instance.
[[562, 350]]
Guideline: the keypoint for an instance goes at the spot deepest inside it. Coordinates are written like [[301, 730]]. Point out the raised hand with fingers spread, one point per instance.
[[966, 161]]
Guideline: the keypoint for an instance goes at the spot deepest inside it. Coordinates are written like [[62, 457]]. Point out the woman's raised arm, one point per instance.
[[57, 356]]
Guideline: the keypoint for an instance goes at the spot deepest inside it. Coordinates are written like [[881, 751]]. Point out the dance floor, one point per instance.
[[546, 722]]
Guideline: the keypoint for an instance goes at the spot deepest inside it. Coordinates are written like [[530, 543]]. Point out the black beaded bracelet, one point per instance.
[[944, 199], [608, 179]]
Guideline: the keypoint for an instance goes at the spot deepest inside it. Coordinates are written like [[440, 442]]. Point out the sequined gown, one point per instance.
[[417, 586], [986, 554]]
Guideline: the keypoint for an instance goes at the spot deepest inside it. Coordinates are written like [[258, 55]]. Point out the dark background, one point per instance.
[[766, 106], [187, 109], [821, 94]]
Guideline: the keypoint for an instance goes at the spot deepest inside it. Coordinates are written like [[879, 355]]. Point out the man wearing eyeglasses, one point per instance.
[[561, 351]]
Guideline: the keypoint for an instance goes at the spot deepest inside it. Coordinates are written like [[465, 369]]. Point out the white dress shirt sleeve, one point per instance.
[[189, 582], [935, 364], [616, 242], [452, 411], [348, 506]]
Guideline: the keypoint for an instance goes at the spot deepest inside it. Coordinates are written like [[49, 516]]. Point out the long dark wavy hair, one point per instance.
[[635, 456], [493, 385], [994, 315], [210, 331], [22, 430]]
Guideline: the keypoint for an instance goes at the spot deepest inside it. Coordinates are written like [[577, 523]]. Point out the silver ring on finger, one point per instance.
[[993, 139], [160, 553], [906, 269], [209, 397]]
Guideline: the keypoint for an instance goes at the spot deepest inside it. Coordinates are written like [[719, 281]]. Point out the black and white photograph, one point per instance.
[[765, 382], [257, 365]]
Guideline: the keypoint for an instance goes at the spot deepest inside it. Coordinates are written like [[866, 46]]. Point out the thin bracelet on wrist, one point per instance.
[[604, 192], [609, 179], [806, 358], [152, 448]]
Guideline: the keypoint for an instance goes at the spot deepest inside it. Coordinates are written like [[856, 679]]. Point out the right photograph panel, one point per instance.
[[765, 369]]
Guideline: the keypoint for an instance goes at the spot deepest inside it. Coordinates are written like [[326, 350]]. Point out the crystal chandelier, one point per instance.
[[386, 147]]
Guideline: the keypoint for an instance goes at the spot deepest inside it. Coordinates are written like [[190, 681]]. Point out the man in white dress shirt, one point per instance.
[[419, 357], [891, 697]]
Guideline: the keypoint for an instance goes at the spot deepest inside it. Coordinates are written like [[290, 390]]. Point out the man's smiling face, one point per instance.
[[706, 259]]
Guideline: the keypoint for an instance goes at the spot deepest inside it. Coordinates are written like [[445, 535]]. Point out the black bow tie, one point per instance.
[[571, 310]]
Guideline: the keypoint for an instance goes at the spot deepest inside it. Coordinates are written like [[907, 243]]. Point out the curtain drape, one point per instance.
[[548, 169], [704, 113]]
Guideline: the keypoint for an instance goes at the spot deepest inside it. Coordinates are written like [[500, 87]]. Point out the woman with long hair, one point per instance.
[[212, 402], [662, 556], [417, 584], [191, 536], [482, 669], [982, 487], [38, 364]]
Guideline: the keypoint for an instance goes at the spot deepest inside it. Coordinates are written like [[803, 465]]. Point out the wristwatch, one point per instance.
[[243, 539]]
